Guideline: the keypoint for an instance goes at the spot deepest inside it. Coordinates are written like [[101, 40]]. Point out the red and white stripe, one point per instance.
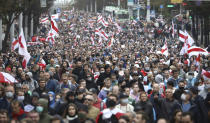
[[22, 50], [54, 27], [15, 44], [206, 74], [110, 43], [44, 20], [194, 50], [164, 49], [102, 21], [110, 19], [182, 36], [7, 78]]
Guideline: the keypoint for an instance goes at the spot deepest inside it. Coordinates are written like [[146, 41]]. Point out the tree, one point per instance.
[[11, 9]]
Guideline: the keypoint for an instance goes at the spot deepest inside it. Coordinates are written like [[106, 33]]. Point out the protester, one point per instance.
[[92, 73]]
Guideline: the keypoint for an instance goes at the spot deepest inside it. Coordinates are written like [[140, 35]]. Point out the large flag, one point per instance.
[[15, 44], [110, 43], [164, 49], [101, 33], [194, 50], [182, 36], [22, 50], [22, 44], [188, 41], [54, 27], [44, 20], [102, 21], [110, 19]]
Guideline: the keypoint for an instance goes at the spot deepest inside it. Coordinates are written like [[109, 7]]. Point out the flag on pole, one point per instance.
[[22, 50], [164, 49], [182, 36], [110, 43], [15, 44], [194, 50], [54, 27]]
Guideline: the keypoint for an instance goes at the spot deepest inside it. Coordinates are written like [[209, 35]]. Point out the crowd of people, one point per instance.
[[83, 80]]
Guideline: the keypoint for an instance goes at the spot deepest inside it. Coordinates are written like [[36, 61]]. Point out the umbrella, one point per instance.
[[7, 78]]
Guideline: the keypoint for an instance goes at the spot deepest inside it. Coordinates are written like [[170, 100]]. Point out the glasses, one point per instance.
[[90, 100]]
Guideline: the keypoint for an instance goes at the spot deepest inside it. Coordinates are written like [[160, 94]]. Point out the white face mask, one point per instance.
[[125, 101], [20, 98], [183, 97]]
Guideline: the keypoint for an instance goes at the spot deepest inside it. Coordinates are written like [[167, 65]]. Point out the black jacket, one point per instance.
[[202, 116], [102, 77], [168, 107], [146, 107]]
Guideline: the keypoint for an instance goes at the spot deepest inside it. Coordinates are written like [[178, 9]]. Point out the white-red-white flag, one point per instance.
[[44, 20], [15, 44], [22, 50], [110, 19], [110, 43], [7, 78], [54, 27], [194, 50], [164, 49], [182, 36], [102, 21], [206, 74]]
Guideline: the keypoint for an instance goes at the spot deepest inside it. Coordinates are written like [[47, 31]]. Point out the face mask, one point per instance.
[[102, 71], [56, 100], [20, 98], [155, 72], [97, 73], [125, 101], [51, 98], [39, 109], [183, 97], [9, 94], [147, 68]]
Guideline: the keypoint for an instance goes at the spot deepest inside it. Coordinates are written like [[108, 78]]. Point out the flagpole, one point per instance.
[[20, 21], [1, 33], [12, 30], [32, 25]]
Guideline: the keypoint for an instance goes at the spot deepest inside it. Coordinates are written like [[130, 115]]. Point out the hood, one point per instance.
[[44, 103]]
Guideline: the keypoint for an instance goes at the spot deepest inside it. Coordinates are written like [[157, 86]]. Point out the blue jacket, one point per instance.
[[52, 85]]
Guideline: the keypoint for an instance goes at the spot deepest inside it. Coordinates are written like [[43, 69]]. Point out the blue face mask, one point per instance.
[[39, 109]]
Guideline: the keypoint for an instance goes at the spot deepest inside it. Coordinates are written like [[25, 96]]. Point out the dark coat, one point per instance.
[[168, 107], [147, 108], [102, 77], [202, 116]]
